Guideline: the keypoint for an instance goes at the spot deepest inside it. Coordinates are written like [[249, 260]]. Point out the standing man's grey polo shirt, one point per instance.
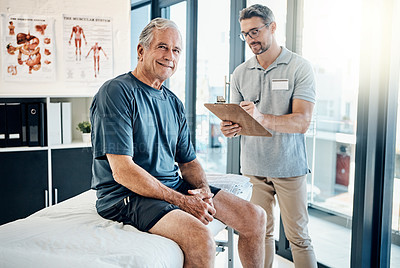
[[288, 77]]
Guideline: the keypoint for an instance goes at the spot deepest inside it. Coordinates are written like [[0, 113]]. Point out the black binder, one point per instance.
[[13, 125], [3, 131], [24, 122], [33, 124]]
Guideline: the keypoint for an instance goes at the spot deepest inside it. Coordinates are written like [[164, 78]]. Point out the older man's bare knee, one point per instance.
[[193, 237], [199, 248], [255, 220]]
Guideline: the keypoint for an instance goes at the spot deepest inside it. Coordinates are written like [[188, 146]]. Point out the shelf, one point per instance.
[[23, 149], [74, 144], [80, 104], [43, 96]]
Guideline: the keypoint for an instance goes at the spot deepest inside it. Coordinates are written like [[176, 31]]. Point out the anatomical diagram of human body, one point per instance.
[[28, 51], [79, 34], [96, 57]]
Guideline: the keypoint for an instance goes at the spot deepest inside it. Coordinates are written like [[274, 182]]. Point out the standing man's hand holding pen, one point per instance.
[[251, 109], [230, 130]]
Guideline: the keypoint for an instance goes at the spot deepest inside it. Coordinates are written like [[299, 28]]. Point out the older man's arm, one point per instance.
[[193, 173], [138, 180]]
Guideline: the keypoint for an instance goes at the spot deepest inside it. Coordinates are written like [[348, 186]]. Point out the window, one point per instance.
[[331, 142], [140, 17], [176, 83], [212, 66], [395, 248]]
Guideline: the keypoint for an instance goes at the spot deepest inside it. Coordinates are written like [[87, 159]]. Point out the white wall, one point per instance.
[[118, 10]]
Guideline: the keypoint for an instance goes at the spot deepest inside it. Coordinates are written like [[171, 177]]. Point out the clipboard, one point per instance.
[[234, 113]]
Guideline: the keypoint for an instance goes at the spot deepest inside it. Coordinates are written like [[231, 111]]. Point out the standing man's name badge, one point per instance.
[[280, 84]]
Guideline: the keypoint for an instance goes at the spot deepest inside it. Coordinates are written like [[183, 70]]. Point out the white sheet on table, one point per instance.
[[72, 234], [68, 235], [236, 184]]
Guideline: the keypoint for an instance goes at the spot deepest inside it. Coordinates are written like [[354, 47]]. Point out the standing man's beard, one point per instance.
[[262, 50]]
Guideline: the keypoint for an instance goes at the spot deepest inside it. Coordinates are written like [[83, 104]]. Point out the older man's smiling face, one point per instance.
[[161, 59]]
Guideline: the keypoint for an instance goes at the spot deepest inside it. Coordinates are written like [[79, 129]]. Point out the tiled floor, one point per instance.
[[221, 260], [331, 243], [279, 262]]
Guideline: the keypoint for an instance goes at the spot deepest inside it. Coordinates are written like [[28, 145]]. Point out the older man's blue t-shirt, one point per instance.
[[131, 118]]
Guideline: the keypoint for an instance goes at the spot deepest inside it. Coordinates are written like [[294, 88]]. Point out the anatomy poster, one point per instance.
[[87, 47], [28, 48]]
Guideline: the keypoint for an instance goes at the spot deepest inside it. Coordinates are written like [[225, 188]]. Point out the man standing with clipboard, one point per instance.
[[277, 88]]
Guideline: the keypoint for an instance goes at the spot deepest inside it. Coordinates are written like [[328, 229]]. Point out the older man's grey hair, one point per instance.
[[146, 36], [257, 10]]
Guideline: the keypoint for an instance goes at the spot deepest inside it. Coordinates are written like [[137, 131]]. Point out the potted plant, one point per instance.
[[85, 128]]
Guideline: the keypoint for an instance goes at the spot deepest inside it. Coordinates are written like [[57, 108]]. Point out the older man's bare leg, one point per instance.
[[249, 220], [193, 237]]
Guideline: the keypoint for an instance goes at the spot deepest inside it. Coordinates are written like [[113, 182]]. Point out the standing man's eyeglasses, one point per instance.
[[253, 33]]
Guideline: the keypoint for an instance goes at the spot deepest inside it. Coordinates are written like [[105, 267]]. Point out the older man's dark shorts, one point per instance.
[[143, 212]]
